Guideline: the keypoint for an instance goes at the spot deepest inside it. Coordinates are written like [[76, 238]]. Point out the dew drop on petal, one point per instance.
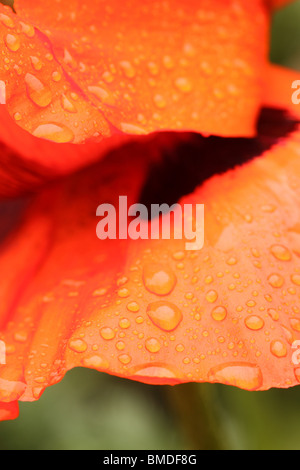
[[124, 323], [211, 296], [278, 348], [219, 313], [242, 375], [13, 42], [275, 280], [158, 279], [295, 278], [39, 93], [7, 21], [27, 29], [95, 362], [165, 315], [152, 345], [124, 359], [281, 252], [133, 307], [183, 84], [297, 374], [273, 314], [68, 105], [55, 132], [78, 345], [107, 333], [254, 322], [295, 324]]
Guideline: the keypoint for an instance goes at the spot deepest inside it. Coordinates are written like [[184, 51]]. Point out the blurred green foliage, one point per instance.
[[89, 410]]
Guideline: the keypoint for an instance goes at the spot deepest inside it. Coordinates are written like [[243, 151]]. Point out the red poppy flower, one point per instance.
[[80, 79]]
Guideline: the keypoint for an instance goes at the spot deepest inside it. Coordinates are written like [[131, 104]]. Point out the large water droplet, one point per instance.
[[254, 322], [54, 132], [242, 375], [219, 313], [107, 333], [165, 315], [275, 280], [13, 42], [159, 279], [152, 345], [211, 296], [39, 93], [278, 348], [281, 252], [78, 345], [124, 359], [96, 362]]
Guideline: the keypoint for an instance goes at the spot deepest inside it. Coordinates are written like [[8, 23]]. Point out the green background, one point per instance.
[[89, 410]]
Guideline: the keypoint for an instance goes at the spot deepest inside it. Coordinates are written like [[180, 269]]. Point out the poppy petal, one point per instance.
[[140, 67], [151, 310], [9, 411]]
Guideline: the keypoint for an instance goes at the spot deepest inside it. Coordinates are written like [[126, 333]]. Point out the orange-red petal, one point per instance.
[[144, 66], [9, 410], [150, 310]]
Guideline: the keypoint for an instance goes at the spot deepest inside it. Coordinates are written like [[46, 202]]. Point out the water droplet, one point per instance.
[[278, 348], [102, 95], [124, 323], [231, 261], [281, 252], [108, 77], [219, 313], [165, 315], [39, 93], [13, 42], [21, 336], [27, 29], [183, 84], [68, 105], [120, 345], [242, 375], [155, 373], [211, 296], [96, 362], [36, 63], [159, 101], [133, 307], [295, 324], [297, 374], [168, 62], [132, 129], [179, 348], [275, 280], [107, 333], [178, 255], [56, 76], [152, 345], [78, 345], [159, 279], [124, 358], [128, 69], [295, 278], [54, 132], [7, 21], [254, 322], [273, 314]]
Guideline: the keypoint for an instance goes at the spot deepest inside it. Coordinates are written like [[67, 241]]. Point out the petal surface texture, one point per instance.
[[150, 310], [141, 67]]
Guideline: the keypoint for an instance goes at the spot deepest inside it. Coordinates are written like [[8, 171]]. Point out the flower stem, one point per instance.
[[194, 410]]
